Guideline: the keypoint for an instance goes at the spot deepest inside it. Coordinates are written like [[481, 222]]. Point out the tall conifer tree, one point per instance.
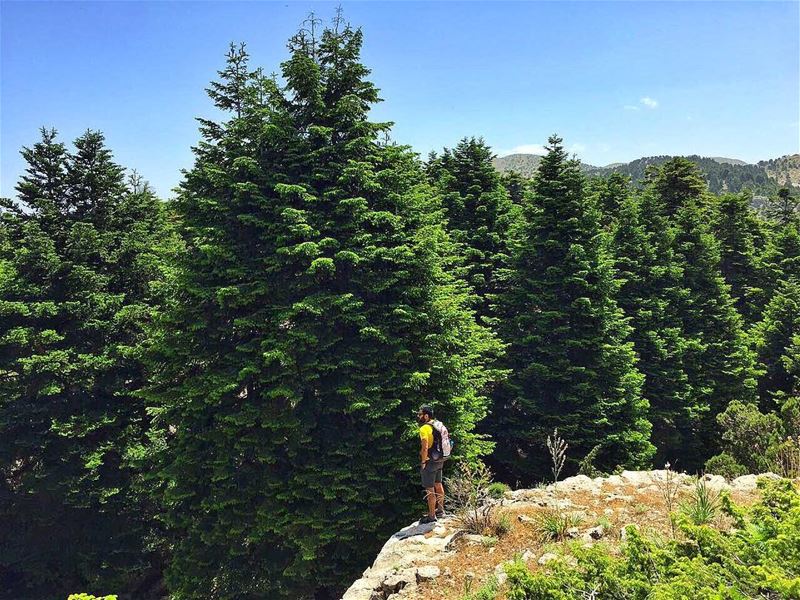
[[717, 362], [782, 256], [772, 340], [740, 262], [480, 217], [78, 284], [316, 314], [610, 193], [572, 364], [650, 295]]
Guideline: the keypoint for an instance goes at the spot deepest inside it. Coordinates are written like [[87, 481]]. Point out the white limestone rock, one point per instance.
[[547, 557]]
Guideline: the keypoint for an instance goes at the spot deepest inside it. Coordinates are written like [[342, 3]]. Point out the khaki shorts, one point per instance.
[[431, 473]]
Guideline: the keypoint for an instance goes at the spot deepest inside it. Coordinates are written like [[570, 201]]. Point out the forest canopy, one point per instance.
[[214, 396]]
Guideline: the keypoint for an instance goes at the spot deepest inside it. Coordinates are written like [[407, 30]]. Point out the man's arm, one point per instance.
[[423, 450]]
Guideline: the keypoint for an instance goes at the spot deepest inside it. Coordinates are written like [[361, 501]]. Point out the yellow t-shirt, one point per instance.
[[426, 434]]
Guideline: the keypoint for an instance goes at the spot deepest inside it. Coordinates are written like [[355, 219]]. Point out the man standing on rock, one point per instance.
[[432, 462]]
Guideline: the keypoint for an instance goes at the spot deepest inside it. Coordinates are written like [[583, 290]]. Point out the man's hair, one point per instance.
[[426, 410]]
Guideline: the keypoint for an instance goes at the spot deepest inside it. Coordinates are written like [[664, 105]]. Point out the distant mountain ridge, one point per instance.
[[722, 174]]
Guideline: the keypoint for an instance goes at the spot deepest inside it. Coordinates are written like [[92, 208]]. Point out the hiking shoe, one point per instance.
[[427, 519], [439, 514]]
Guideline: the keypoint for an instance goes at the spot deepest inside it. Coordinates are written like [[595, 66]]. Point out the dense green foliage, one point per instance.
[[759, 558], [80, 268], [215, 397], [650, 293], [738, 230], [572, 366], [315, 313], [480, 216]]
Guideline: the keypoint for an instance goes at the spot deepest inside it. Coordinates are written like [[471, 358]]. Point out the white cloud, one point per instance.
[[524, 149], [577, 148], [631, 107], [649, 102]]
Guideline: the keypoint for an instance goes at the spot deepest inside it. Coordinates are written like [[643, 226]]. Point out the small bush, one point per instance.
[[552, 525], [469, 498], [605, 524], [503, 524], [90, 597], [586, 466], [748, 434], [786, 458], [725, 465], [497, 490], [488, 591], [703, 504]]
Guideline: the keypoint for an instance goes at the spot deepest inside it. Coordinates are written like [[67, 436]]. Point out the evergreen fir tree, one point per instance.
[[650, 294], [782, 256], [315, 314], [80, 264], [717, 361], [609, 195], [739, 260], [572, 365], [772, 340], [480, 216], [678, 182], [715, 357], [783, 208]]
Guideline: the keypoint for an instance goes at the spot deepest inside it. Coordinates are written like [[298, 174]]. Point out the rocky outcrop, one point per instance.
[[406, 560], [412, 556]]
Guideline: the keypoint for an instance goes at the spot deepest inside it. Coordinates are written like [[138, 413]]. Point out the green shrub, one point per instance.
[[503, 524], [605, 524], [759, 559], [703, 504], [725, 465], [488, 591], [90, 597], [467, 491], [586, 466], [748, 434], [785, 458], [497, 490], [552, 524]]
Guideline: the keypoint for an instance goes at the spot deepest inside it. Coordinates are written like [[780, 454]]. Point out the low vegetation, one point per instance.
[[757, 558]]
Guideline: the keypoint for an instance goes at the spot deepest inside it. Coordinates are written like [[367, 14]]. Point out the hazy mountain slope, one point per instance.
[[785, 170], [722, 174], [524, 164]]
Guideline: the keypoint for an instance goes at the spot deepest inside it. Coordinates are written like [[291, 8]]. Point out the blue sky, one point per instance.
[[616, 80]]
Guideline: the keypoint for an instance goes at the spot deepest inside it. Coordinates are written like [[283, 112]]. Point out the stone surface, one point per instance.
[[595, 532], [500, 573], [527, 556], [427, 573], [547, 557], [716, 482], [748, 483]]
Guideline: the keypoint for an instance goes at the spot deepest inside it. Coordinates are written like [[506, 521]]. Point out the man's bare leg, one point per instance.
[[430, 496], [439, 495]]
